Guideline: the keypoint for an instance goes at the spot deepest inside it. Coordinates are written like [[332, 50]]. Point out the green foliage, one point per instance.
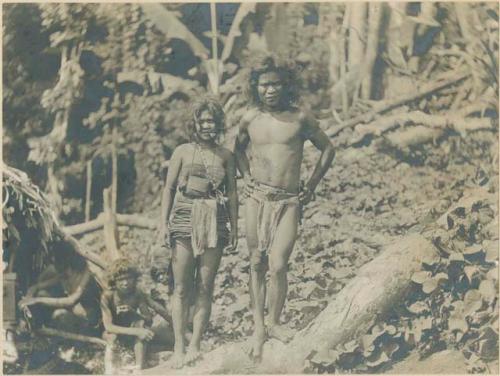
[[27, 71], [452, 302], [114, 73]]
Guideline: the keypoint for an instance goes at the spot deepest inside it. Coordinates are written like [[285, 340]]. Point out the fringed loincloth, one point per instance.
[[203, 221], [272, 203]]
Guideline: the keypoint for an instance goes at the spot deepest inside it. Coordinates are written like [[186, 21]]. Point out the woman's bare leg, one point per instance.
[[183, 268], [208, 265]]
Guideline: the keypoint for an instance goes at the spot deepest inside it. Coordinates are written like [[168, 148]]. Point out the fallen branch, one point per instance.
[[131, 220], [388, 105], [81, 228], [68, 335], [413, 136], [134, 220], [385, 124], [88, 255]]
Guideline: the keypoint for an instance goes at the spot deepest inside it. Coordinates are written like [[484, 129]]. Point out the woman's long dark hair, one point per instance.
[[284, 67], [212, 105]]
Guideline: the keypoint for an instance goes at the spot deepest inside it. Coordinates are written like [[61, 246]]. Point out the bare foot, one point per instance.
[[192, 355], [177, 360], [254, 347], [281, 333]]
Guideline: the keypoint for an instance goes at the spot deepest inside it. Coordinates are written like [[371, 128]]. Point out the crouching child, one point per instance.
[[127, 316]]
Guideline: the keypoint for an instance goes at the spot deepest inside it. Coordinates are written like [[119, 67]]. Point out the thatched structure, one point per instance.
[[31, 230]]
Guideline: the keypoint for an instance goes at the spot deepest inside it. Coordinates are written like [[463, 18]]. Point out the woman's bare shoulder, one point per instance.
[[182, 150]]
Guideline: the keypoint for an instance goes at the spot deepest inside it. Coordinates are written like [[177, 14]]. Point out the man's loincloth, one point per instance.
[[272, 204]]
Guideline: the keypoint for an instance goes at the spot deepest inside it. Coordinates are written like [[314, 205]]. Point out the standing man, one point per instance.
[[269, 153]]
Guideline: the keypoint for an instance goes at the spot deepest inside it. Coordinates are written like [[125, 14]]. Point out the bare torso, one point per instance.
[[193, 162], [276, 149]]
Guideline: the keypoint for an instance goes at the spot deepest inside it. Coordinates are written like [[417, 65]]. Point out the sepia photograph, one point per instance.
[[250, 188]]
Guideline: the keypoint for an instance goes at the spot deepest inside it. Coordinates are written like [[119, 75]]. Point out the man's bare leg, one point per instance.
[[257, 280], [183, 268], [281, 249], [208, 265]]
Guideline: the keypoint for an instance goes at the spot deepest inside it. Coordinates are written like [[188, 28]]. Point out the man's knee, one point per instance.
[[205, 289], [181, 291], [277, 267]]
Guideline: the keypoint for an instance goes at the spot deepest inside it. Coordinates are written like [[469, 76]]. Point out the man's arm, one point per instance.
[[232, 195], [322, 142], [47, 279], [242, 141], [71, 299]]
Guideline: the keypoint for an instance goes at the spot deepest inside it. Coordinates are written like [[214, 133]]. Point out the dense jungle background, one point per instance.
[[97, 96]]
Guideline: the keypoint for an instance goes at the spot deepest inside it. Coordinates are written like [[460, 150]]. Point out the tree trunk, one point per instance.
[[131, 220], [374, 19], [357, 20], [88, 191], [72, 336], [275, 30], [379, 285], [343, 62], [357, 40], [114, 169], [110, 228], [387, 123], [388, 105]]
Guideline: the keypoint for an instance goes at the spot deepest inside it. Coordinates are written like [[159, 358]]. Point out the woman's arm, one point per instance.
[[168, 195]]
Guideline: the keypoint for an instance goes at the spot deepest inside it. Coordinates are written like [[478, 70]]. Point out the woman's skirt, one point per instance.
[[203, 221]]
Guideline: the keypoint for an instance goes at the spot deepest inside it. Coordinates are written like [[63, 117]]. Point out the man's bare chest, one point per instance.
[[266, 129]]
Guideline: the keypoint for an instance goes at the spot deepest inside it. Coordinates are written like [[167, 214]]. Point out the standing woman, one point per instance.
[[199, 199]]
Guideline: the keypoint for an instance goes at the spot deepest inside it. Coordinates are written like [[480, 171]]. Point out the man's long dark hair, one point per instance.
[[284, 67]]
